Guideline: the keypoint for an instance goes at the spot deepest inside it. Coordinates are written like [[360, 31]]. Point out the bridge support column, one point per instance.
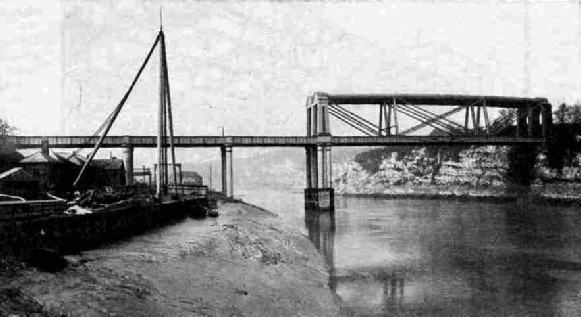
[[312, 167], [325, 166], [128, 158], [227, 171], [521, 122], [319, 194], [533, 114], [546, 120]]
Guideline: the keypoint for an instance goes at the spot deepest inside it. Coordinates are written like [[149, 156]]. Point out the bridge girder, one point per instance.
[[536, 113]]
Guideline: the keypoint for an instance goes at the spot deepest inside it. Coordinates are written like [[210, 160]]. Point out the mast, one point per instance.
[[159, 176], [165, 122]]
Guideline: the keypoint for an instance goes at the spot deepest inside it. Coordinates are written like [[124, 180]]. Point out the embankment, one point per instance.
[[245, 262]]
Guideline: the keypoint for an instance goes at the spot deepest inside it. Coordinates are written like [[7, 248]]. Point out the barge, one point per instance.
[[66, 227]]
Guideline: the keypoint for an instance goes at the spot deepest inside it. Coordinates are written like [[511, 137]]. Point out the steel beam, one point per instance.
[[73, 142], [434, 100]]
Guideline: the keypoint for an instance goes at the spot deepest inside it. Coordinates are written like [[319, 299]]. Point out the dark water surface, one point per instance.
[[443, 258]]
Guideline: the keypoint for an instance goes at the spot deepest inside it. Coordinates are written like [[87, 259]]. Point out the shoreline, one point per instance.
[[471, 195], [245, 262]]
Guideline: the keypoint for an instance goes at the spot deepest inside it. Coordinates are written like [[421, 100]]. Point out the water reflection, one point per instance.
[[442, 258], [321, 230]]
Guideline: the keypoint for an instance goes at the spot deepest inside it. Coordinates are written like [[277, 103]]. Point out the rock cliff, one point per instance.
[[474, 171]]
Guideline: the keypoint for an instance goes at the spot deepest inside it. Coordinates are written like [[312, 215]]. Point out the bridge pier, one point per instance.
[[534, 121], [311, 167], [128, 161], [325, 166], [546, 119], [319, 193], [227, 171], [534, 125]]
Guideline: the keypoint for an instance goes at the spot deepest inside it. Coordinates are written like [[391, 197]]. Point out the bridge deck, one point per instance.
[[435, 100], [24, 142]]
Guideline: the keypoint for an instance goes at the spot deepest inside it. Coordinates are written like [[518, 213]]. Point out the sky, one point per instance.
[[249, 67]]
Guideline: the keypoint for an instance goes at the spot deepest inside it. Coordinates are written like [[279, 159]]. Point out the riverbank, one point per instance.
[[561, 194], [245, 262]]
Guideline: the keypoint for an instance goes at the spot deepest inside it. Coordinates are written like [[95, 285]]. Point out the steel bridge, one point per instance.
[[76, 142], [463, 120]]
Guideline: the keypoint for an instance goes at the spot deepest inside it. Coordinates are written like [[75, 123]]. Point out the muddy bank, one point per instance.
[[244, 263]]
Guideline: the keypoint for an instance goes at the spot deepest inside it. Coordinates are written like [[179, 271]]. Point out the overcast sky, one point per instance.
[[249, 67]]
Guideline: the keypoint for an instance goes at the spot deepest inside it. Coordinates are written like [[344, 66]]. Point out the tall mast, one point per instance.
[[161, 125], [169, 113], [165, 120]]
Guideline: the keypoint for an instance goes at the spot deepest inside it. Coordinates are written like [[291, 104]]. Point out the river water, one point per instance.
[[405, 257]]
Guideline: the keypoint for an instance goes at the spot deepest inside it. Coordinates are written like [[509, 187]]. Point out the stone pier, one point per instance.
[[319, 193]]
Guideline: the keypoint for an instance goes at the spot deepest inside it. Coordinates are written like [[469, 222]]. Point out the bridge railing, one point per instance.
[[250, 141]]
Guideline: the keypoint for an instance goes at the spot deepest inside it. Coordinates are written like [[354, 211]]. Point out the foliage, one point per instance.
[[563, 144], [568, 113], [504, 113], [371, 160], [8, 154], [6, 128]]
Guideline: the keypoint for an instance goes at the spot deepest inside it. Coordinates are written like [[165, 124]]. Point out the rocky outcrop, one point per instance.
[[476, 171]]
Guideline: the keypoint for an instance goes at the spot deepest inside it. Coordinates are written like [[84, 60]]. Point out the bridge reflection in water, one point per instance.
[[321, 229], [446, 258]]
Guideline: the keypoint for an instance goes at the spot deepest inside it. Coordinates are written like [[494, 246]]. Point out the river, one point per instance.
[[405, 257]]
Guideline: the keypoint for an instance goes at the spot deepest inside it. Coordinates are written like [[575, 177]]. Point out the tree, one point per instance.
[[568, 114], [8, 154], [6, 128], [505, 113]]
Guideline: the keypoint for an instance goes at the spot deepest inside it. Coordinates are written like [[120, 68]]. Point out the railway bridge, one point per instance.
[[458, 119]]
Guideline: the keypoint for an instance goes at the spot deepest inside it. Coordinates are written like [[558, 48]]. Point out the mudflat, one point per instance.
[[246, 262]]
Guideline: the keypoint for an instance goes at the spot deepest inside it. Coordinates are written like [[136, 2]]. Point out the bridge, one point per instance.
[[76, 142], [527, 121]]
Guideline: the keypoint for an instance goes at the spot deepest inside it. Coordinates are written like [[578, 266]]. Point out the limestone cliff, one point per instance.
[[475, 171]]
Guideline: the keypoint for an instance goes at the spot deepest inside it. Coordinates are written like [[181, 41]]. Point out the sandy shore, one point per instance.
[[246, 262]]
